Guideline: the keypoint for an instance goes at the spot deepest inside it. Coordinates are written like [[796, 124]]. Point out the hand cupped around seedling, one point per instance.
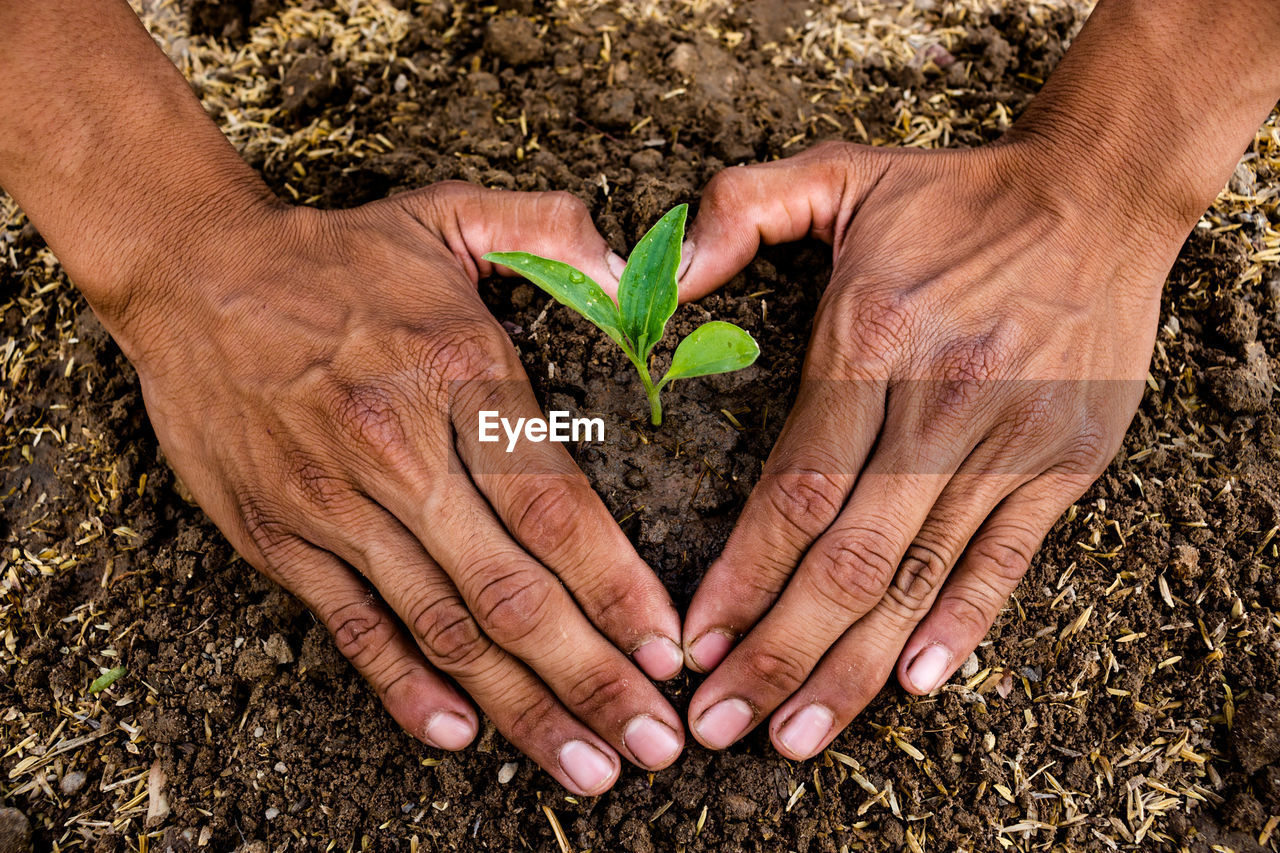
[[647, 298]]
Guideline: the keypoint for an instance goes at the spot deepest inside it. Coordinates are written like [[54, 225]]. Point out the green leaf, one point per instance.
[[102, 682], [647, 291], [569, 287], [715, 347]]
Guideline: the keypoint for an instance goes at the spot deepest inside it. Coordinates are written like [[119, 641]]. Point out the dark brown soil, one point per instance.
[[1162, 705]]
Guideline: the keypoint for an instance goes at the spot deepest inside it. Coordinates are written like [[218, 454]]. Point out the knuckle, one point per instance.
[[436, 198], [265, 528], [865, 330], [969, 617], [447, 632], [317, 486], [1089, 452], [532, 721], [728, 188], [468, 349], [921, 572], [361, 632], [511, 606], [370, 414], [832, 148], [1036, 417], [616, 600], [780, 671], [854, 571], [1005, 559], [566, 207], [807, 500], [547, 514], [596, 689], [965, 368]]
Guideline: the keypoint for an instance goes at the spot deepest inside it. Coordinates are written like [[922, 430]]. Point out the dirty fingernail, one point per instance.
[[806, 730], [929, 669], [724, 722], [587, 766], [616, 264], [708, 650], [686, 255], [660, 658], [653, 743], [449, 731]]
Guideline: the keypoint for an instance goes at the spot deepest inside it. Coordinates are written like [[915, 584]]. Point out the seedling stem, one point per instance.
[[647, 297]]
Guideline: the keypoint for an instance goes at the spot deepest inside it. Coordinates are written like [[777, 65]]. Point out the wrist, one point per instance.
[[1099, 190], [1150, 109], [146, 286], [1123, 189]]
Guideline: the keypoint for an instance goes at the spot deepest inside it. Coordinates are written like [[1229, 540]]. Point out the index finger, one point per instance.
[[548, 505]]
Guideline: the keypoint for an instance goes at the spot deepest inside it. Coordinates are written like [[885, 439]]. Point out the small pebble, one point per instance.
[[273, 813], [635, 479], [969, 668], [281, 767], [72, 782], [646, 160], [259, 731], [507, 772], [277, 648]]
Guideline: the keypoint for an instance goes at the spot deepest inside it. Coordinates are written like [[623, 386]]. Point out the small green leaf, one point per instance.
[[647, 291], [569, 287], [102, 682], [715, 347]]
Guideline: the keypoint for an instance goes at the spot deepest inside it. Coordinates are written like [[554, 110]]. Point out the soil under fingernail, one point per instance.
[[660, 658], [708, 651]]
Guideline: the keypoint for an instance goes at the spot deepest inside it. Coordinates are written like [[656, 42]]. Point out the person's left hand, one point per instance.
[[974, 364]]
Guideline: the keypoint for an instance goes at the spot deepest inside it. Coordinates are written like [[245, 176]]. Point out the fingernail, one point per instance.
[[616, 264], [653, 743], [806, 730], [587, 766], [659, 658], [686, 255], [930, 668], [724, 722], [447, 730], [708, 650]]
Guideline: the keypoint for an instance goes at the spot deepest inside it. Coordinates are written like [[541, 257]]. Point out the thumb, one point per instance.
[[474, 221], [812, 194]]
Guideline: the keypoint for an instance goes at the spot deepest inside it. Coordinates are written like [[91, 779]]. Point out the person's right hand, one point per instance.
[[316, 384]]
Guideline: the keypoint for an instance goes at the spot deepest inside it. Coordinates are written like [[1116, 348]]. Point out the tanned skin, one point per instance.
[[314, 377]]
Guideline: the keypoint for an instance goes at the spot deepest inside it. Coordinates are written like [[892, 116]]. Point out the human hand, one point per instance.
[[974, 364], [315, 380]]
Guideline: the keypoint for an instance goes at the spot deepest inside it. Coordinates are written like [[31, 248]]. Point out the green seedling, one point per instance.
[[647, 298]]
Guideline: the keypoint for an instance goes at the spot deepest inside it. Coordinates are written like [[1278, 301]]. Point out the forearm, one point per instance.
[[1157, 101], [106, 149]]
